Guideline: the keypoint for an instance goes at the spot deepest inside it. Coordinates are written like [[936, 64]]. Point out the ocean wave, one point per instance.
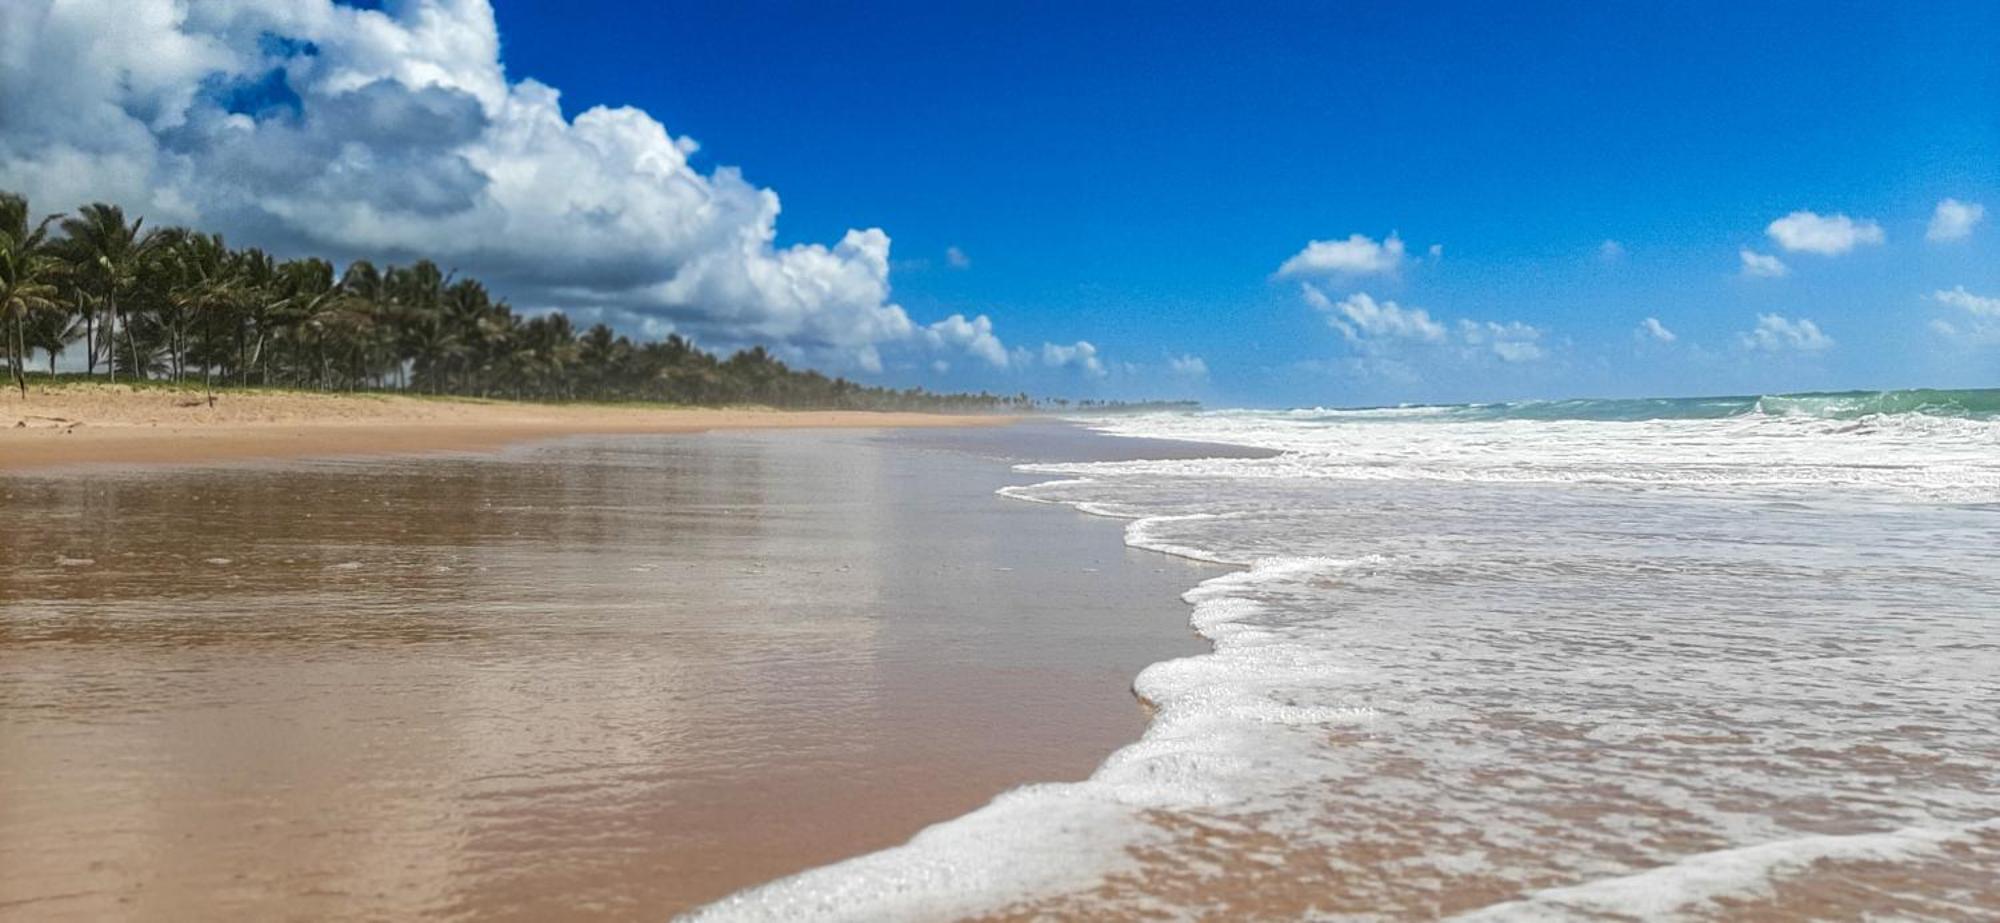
[[1951, 459], [1522, 669], [1711, 884], [1966, 404]]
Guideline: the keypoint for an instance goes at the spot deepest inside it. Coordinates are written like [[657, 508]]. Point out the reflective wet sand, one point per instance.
[[607, 678]]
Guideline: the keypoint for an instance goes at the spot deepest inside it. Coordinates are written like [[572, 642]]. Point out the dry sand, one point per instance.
[[112, 424]]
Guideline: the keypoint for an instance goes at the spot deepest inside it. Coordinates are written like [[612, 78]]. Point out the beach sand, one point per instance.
[[112, 424], [596, 678]]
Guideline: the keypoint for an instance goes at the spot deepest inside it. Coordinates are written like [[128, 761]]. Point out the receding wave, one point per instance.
[[1678, 659]]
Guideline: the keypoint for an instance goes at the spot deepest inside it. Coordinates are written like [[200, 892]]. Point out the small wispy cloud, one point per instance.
[[1762, 264], [1977, 305], [1383, 328], [1777, 333], [1954, 220], [1976, 325], [1187, 366], [1652, 329], [1511, 342], [956, 258], [1610, 251]]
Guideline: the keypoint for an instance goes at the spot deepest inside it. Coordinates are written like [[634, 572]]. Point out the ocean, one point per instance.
[[1717, 658]]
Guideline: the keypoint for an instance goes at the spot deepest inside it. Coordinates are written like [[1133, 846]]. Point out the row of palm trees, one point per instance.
[[177, 304]]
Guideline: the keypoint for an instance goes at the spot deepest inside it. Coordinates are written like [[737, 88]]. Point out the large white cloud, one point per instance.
[[1357, 255], [313, 127], [1827, 235], [1954, 220]]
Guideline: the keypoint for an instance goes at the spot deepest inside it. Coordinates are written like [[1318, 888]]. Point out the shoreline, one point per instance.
[[91, 425], [930, 614]]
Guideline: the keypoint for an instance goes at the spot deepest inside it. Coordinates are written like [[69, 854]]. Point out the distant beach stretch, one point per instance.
[[111, 424]]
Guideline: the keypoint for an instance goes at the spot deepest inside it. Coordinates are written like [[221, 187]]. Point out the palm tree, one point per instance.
[[53, 330], [301, 316], [205, 273], [25, 273], [108, 253], [259, 299], [181, 297]]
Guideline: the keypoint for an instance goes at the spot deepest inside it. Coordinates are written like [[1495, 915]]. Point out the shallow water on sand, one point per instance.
[[599, 678], [1524, 669]]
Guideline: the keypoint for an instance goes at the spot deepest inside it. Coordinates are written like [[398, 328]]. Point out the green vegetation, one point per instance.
[[177, 305]]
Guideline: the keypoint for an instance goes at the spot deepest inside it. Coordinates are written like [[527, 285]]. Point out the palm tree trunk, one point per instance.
[[20, 353], [208, 359], [111, 339], [132, 346]]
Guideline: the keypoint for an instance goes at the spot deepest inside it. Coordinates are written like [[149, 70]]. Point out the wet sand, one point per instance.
[[108, 424], [603, 678]]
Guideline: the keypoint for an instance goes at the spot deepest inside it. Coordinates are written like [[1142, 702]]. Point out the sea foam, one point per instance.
[[1522, 662]]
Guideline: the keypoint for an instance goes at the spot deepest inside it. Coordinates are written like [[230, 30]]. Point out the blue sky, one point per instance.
[[1134, 174], [1122, 183]]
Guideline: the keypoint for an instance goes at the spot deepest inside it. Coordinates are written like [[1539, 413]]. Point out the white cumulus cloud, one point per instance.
[[1357, 255], [1360, 317], [308, 126], [1080, 355], [1777, 333], [1762, 264], [1826, 235], [1954, 220], [1652, 329], [973, 337]]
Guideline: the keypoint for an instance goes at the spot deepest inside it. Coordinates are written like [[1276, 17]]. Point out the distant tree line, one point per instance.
[[177, 304]]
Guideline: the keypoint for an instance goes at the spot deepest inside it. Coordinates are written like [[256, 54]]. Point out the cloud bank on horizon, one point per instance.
[[308, 126]]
